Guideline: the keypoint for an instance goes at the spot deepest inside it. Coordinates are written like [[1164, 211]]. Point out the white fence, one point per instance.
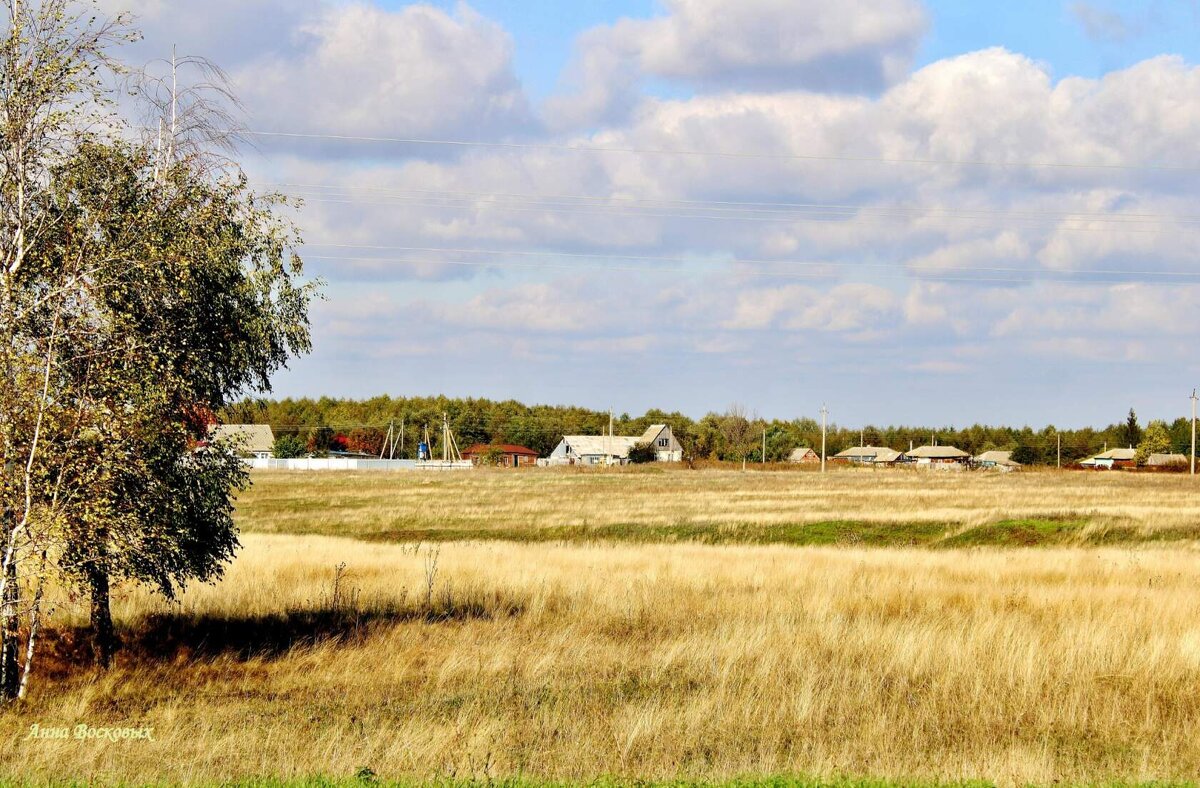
[[350, 464]]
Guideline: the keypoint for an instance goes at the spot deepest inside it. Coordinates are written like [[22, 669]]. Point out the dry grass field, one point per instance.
[[551, 658], [847, 506]]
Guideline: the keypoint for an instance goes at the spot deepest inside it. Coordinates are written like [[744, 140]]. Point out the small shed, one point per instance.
[[510, 455], [1166, 460], [804, 455]]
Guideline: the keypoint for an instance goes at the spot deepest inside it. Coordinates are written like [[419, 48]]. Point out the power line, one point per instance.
[[784, 274], [731, 261], [720, 154], [583, 200], [843, 217]]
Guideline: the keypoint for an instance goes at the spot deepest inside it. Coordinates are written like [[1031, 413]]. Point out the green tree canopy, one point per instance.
[[1156, 439]]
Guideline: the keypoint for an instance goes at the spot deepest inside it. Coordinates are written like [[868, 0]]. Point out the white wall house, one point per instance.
[[603, 450]]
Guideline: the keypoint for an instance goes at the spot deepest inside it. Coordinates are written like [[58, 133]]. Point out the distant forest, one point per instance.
[[325, 424]]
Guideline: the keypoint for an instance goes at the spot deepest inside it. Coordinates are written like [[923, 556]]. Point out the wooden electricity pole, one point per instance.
[[608, 445], [824, 416], [1059, 436], [387, 441], [764, 457], [1193, 432]]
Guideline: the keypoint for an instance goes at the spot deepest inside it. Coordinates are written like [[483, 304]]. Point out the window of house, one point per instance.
[[663, 442]]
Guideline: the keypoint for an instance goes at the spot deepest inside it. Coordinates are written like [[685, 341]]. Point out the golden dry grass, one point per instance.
[[653, 504], [654, 661]]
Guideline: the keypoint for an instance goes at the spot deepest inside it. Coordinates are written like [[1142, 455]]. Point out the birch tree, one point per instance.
[[52, 59], [203, 301], [139, 291]]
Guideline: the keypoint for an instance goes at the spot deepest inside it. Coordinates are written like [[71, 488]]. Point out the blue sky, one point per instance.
[[545, 30], [838, 263]]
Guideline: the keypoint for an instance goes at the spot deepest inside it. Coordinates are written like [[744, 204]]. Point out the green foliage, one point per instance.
[[1132, 433], [288, 446], [1026, 455], [1155, 440], [493, 455], [200, 302], [642, 453]]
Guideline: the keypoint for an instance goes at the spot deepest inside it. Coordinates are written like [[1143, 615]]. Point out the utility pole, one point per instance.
[[609, 443], [1059, 436], [387, 441], [824, 417], [764, 457], [1193, 432], [862, 441]]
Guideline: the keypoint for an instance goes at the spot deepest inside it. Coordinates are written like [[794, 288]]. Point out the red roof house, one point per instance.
[[510, 456]]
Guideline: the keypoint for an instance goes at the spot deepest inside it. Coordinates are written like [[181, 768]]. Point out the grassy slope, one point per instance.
[[897, 508]]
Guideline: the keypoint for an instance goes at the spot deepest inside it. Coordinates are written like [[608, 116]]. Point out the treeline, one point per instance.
[[319, 425]]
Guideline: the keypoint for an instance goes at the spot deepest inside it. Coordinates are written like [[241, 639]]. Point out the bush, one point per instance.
[[288, 446], [493, 455], [642, 453]]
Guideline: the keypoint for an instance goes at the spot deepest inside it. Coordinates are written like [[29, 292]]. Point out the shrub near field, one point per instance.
[[655, 504], [574, 662]]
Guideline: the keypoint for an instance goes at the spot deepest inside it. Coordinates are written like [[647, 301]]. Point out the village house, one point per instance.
[[887, 457], [861, 454], [1166, 461], [507, 454], [804, 455], [940, 457], [996, 460], [250, 440], [614, 449], [1113, 458]]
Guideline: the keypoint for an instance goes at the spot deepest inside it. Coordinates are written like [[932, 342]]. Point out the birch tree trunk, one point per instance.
[[10, 681], [104, 639]]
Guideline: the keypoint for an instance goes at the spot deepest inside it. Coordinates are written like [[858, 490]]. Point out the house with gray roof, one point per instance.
[[861, 455], [1113, 458], [614, 449], [946, 457], [887, 457], [996, 460], [1166, 460], [249, 440]]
